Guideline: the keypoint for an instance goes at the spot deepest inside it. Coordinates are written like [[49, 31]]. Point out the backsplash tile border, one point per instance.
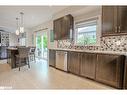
[[109, 43]]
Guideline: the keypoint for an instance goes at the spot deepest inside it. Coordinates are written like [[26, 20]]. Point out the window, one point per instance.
[[86, 32]]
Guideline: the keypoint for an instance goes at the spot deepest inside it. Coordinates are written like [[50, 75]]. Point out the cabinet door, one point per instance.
[[57, 28], [0, 37], [67, 27], [63, 27], [122, 19], [88, 63], [109, 69], [74, 62], [109, 20], [52, 57], [125, 75]]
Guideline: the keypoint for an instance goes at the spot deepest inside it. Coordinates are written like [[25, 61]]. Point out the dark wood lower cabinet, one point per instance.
[[74, 62], [109, 69], [125, 75], [11, 58], [88, 64], [52, 58]]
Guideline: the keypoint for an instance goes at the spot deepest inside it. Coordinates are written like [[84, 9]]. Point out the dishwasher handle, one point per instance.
[[61, 52]]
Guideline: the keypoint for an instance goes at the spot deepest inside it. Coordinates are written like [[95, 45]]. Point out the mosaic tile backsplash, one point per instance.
[[111, 43]]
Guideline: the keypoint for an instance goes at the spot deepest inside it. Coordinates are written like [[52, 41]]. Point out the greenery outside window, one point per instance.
[[86, 32]]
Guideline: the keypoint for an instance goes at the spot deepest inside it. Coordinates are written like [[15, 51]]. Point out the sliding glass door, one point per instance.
[[41, 44]]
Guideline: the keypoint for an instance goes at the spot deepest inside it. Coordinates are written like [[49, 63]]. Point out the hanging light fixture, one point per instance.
[[17, 30], [21, 24]]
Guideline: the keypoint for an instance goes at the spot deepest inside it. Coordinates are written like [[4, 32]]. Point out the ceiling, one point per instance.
[[33, 15]]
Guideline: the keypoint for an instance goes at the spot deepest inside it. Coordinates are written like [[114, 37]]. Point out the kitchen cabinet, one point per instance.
[[63, 27], [109, 69], [67, 27], [125, 75], [109, 20], [11, 58], [88, 64], [57, 28], [74, 62], [122, 19], [52, 57], [114, 20]]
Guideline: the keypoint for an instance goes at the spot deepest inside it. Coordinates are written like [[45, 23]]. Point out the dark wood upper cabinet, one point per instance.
[[63, 27], [122, 19], [109, 69], [57, 28], [74, 62], [109, 20], [114, 20]]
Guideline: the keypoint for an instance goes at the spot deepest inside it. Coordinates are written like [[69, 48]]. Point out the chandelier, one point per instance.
[[20, 29], [17, 30]]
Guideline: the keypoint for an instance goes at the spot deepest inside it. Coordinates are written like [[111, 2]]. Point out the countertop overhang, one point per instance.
[[90, 51]]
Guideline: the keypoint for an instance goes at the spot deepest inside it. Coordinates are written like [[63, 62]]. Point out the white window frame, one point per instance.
[[98, 32]]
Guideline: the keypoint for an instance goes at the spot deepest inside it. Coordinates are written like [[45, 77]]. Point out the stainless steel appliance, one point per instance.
[[61, 60]]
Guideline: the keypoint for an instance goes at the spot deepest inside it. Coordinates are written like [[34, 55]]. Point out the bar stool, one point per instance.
[[23, 57], [32, 53]]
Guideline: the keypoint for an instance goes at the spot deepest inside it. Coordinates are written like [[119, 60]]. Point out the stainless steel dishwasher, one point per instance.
[[61, 60]]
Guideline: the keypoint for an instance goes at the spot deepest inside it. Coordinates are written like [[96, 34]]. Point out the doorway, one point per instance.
[[41, 44]]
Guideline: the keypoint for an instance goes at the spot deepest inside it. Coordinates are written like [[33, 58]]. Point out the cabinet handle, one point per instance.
[[97, 58], [119, 29], [115, 29]]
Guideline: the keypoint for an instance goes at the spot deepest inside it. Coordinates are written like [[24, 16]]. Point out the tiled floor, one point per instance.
[[40, 76]]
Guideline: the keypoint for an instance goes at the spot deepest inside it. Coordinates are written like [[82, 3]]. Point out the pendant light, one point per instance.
[[21, 24], [17, 30]]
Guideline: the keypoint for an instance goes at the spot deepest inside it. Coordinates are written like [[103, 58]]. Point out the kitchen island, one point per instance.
[[11, 58]]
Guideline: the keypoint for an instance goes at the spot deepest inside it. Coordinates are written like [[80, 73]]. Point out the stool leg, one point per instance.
[[19, 63], [28, 63], [34, 58]]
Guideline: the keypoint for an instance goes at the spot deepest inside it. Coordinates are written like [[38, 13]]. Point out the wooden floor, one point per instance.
[[40, 76]]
